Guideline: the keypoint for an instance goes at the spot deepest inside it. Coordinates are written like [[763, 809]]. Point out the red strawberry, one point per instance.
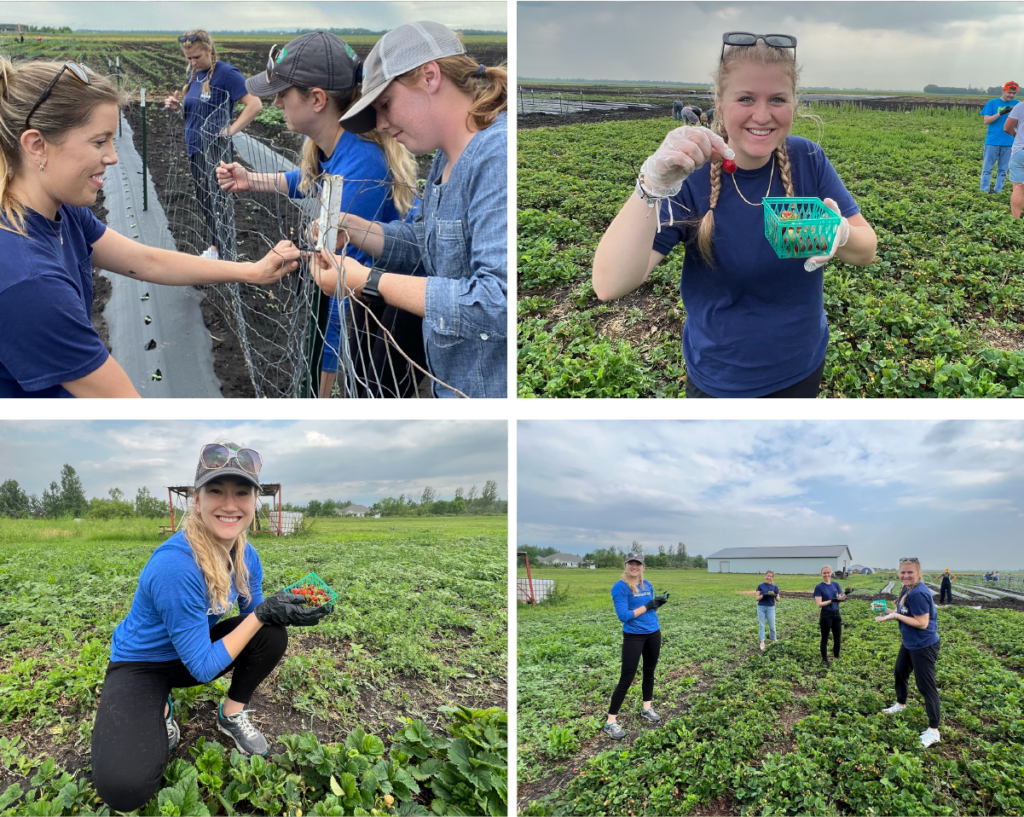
[[729, 166]]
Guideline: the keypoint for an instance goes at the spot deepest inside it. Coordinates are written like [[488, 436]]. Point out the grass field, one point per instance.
[[417, 644], [939, 313], [772, 733]]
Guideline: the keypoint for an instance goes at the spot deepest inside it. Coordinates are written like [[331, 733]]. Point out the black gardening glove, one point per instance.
[[656, 602], [290, 610], [1004, 109]]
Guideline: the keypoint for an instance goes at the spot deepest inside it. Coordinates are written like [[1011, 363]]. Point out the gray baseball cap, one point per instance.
[[238, 463], [314, 60], [397, 52], [634, 557]]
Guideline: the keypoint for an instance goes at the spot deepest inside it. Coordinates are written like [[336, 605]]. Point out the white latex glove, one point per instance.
[[683, 151], [842, 236]]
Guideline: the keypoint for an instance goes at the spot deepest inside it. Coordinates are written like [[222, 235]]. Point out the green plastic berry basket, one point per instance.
[[810, 233], [878, 607], [316, 581]]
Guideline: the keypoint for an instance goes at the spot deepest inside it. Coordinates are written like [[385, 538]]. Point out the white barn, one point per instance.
[[804, 559]]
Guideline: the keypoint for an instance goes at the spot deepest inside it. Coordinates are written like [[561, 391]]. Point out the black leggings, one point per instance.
[[633, 646], [215, 206], [922, 664], [808, 387], [833, 624], [129, 739]]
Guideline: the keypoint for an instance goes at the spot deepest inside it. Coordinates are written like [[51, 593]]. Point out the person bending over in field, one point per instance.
[[998, 139], [636, 606], [173, 636], [827, 595], [766, 594], [314, 79], [919, 650], [421, 87], [207, 103], [57, 128], [755, 324]]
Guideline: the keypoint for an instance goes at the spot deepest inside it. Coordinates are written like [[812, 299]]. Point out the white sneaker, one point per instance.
[[210, 253], [895, 709], [929, 737]]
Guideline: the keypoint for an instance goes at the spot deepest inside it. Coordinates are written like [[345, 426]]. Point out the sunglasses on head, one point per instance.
[[216, 455], [745, 38], [190, 38], [79, 71], [913, 559]]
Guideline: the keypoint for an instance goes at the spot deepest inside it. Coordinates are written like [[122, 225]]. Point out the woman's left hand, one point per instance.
[[842, 236], [326, 269], [281, 260], [886, 617]]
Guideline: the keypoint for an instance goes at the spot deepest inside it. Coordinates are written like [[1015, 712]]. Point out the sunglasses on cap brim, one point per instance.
[[746, 38], [215, 456]]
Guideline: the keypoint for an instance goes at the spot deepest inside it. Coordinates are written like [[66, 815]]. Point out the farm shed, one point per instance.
[[564, 559], [805, 559]]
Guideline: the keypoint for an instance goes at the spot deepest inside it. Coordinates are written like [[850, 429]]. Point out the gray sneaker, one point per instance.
[[173, 730], [247, 737], [650, 715], [614, 731]]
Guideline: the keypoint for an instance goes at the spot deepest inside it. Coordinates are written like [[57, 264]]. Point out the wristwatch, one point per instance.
[[370, 291]]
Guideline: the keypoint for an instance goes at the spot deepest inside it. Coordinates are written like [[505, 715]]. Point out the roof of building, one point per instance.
[[564, 557], [802, 552], [356, 509]]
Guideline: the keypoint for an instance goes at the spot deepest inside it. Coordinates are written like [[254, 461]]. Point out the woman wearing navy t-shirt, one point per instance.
[[57, 128], [636, 606], [208, 101], [755, 325], [766, 594], [827, 595], [919, 650]]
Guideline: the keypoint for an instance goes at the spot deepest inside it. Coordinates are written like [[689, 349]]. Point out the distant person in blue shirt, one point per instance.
[[755, 325], [636, 606], [174, 637], [207, 104], [827, 595], [314, 79], [919, 650], [997, 141], [677, 110], [767, 593]]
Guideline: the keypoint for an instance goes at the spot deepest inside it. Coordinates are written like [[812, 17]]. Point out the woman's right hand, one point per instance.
[[280, 261], [683, 151], [232, 178], [172, 102], [290, 610]]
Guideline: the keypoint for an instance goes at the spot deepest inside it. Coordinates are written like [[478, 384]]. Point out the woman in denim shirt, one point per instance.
[[445, 102]]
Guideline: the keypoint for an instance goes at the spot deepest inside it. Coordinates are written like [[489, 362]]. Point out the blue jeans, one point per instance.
[[998, 156], [765, 612], [1017, 167]]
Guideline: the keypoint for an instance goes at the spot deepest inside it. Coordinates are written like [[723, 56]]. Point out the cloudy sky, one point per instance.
[[840, 45], [357, 460], [137, 15], [949, 492]]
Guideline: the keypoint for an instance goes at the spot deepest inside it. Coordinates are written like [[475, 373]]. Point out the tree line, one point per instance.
[[67, 498], [672, 556], [995, 90]]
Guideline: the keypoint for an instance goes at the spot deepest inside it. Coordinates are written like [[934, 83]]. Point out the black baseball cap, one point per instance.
[[314, 60]]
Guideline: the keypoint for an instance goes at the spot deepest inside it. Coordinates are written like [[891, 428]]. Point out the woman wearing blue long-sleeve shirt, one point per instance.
[[173, 636], [636, 606]]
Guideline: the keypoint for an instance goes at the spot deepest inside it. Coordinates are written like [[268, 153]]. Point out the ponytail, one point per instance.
[[487, 88]]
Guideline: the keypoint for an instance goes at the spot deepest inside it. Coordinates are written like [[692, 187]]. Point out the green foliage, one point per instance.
[[13, 500], [940, 313]]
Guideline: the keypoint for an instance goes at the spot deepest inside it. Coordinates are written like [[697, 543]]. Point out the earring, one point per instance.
[[42, 167]]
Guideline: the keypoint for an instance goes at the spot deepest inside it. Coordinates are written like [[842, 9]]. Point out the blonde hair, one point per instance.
[[69, 106], [919, 575], [633, 584], [400, 163], [763, 55], [207, 40], [823, 569], [489, 93], [210, 559]]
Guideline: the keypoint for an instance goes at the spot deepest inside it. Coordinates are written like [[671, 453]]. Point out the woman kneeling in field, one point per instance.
[[919, 650], [766, 594], [755, 324], [172, 636]]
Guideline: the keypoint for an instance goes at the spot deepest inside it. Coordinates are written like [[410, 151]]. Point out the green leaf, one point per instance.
[[11, 793], [459, 752], [372, 746], [338, 790]]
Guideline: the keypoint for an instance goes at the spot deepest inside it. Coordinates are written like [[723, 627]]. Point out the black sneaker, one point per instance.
[[173, 730], [614, 731], [824, 663], [248, 738]]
